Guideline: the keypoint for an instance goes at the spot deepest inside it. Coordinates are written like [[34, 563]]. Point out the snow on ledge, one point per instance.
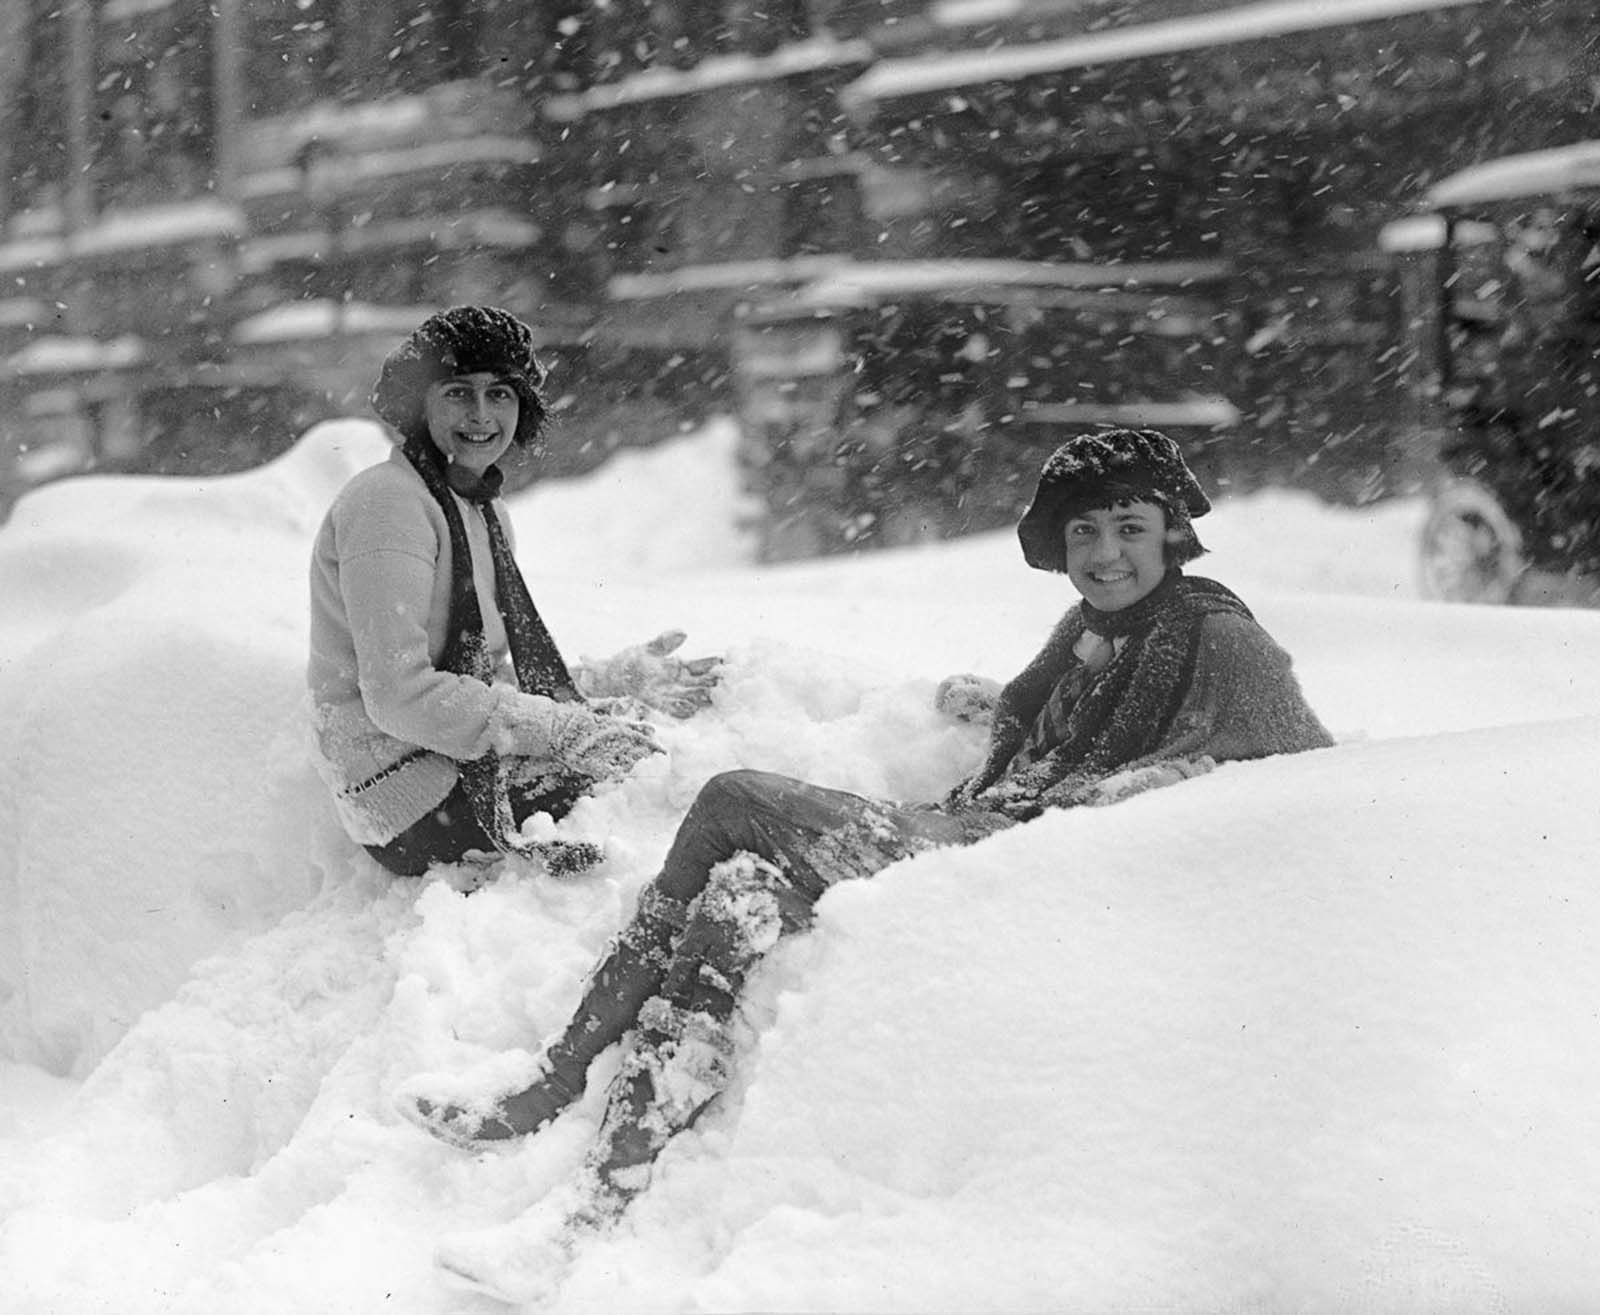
[[31, 253], [57, 355], [1256, 22], [122, 11], [1212, 412], [726, 276], [117, 231], [352, 168], [301, 321], [966, 13], [912, 276], [1533, 173], [724, 71], [157, 225], [832, 279]]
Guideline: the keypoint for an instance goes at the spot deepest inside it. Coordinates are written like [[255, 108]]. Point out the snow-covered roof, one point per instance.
[[721, 71], [1533, 173], [1254, 22]]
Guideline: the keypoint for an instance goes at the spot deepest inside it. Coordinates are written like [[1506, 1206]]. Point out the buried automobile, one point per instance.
[[1503, 276]]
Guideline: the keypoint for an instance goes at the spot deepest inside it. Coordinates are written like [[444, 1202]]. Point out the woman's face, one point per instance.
[[471, 418], [1117, 555]]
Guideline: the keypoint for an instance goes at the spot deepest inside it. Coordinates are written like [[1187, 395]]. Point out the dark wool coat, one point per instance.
[[1193, 676]]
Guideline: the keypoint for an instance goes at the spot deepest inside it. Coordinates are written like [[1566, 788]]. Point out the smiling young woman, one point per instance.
[[445, 715]]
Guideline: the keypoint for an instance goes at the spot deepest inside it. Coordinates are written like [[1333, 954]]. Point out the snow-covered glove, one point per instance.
[[967, 697], [573, 734], [974, 792], [1115, 788], [653, 674], [962, 795], [1016, 797], [565, 858], [623, 705], [983, 790]]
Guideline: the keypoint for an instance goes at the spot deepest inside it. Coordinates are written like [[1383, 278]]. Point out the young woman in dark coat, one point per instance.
[[1153, 678]]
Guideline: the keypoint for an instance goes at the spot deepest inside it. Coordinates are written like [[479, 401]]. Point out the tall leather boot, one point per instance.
[[681, 1060], [682, 1055], [621, 983]]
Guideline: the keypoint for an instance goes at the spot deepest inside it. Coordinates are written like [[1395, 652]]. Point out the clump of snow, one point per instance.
[[1312, 1033]]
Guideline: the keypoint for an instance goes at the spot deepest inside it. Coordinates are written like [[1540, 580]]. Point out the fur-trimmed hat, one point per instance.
[[462, 340], [1097, 470]]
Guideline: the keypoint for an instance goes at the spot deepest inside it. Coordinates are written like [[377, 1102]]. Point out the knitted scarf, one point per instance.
[[538, 662], [1098, 723]]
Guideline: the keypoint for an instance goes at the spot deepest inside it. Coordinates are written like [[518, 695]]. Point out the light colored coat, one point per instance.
[[390, 724]]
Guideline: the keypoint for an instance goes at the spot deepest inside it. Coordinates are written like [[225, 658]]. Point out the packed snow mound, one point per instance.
[[1311, 1033], [156, 794], [1304, 1035]]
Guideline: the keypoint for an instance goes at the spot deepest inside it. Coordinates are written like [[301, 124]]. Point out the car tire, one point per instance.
[[1471, 549]]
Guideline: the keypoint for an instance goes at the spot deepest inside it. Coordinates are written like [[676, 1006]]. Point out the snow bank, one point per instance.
[[1311, 1033], [156, 792]]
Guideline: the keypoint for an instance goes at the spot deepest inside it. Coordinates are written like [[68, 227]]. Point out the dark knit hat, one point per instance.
[[1102, 469], [462, 340]]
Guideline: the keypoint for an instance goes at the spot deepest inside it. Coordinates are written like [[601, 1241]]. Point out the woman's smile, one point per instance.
[[472, 418], [1116, 555]]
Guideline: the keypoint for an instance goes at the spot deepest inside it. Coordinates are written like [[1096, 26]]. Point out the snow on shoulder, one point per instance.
[[1310, 1033]]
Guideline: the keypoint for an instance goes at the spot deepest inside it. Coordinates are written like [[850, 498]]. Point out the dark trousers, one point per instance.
[[807, 838], [751, 859], [451, 831]]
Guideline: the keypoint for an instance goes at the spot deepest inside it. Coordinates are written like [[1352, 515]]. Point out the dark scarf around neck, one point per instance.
[[1098, 724], [539, 665]]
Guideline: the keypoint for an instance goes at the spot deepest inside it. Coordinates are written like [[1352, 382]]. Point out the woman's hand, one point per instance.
[[606, 748], [584, 741], [653, 674], [967, 697], [1131, 781]]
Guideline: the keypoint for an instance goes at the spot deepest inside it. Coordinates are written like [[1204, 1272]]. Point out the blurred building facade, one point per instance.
[[913, 243]]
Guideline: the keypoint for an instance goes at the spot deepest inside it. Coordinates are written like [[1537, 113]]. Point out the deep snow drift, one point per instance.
[[1315, 1033]]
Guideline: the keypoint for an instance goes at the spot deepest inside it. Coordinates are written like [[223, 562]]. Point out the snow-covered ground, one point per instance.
[[1312, 1034]]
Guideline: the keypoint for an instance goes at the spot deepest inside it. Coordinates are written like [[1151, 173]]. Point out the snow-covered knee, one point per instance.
[[742, 896]]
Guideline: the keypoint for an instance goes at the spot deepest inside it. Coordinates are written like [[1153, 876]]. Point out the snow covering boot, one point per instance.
[[681, 1061], [627, 977], [682, 1058]]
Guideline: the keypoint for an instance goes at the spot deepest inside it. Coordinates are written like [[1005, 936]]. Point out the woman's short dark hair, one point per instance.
[[1182, 545]]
